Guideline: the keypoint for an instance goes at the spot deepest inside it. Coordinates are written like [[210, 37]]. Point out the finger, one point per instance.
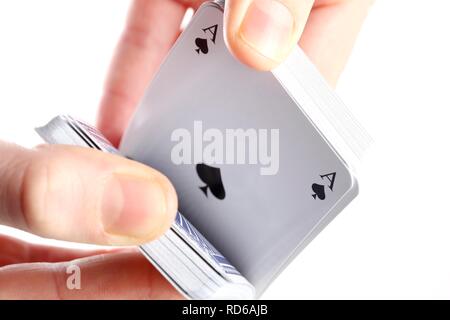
[[126, 275], [151, 29], [330, 34], [83, 195], [13, 251], [262, 33]]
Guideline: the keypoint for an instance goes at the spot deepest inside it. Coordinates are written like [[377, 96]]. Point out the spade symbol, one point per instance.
[[319, 191], [202, 45], [213, 179]]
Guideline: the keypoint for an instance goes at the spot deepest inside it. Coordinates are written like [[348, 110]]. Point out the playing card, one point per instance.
[[189, 233], [255, 172]]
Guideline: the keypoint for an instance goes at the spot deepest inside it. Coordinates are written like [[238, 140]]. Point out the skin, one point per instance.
[[37, 185]]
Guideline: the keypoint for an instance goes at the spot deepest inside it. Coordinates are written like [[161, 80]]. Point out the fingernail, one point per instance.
[[268, 27], [134, 209]]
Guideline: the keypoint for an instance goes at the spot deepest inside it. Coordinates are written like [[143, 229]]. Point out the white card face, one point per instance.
[[256, 203]]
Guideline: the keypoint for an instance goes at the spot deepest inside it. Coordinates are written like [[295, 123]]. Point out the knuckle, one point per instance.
[[11, 174], [47, 186], [35, 188]]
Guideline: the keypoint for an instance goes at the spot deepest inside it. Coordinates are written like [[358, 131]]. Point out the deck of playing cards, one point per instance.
[[261, 161]]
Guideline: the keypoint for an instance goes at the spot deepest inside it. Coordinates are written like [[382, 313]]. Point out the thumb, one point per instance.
[[262, 33], [83, 195]]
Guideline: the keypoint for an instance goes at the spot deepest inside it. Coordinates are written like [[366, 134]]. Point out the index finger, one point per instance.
[[151, 29], [122, 275]]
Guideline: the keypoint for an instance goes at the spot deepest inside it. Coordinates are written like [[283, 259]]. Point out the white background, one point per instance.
[[393, 241]]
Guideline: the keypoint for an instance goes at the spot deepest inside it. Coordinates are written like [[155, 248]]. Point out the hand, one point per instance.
[[260, 33], [81, 195]]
